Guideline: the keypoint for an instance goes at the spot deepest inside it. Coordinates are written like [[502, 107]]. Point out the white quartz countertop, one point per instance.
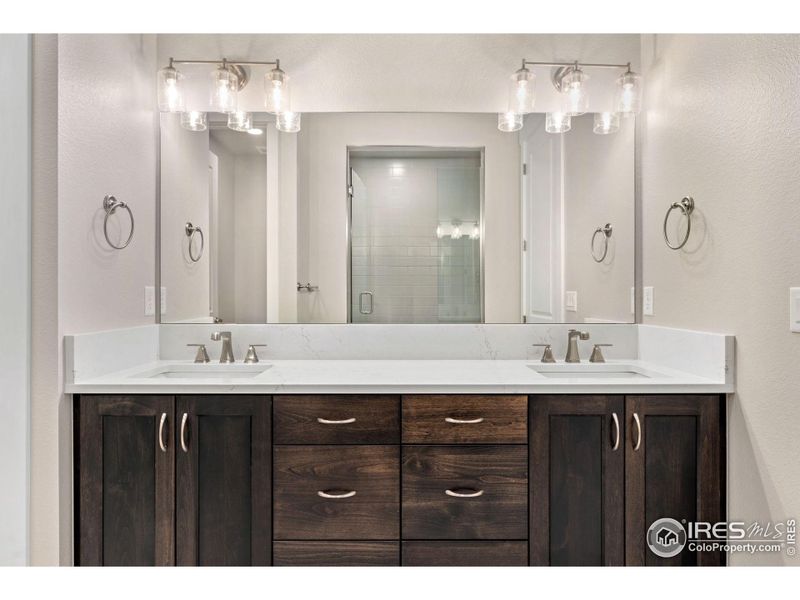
[[398, 377]]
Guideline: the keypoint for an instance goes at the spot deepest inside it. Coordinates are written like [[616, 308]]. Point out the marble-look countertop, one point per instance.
[[394, 376]]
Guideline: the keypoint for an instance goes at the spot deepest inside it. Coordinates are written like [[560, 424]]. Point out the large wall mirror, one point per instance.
[[397, 218]]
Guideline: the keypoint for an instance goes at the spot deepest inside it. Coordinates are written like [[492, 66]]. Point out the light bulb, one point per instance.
[[224, 90], [509, 121], [629, 93], [476, 232], [557, 122], [194, 120], [573, 87], [456, 232], [605, 123], [521, 94], [240, 121], [288, 122], [170, 94], [278, 93]]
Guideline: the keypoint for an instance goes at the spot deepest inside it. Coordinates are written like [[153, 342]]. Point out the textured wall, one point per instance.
[[722, 124]]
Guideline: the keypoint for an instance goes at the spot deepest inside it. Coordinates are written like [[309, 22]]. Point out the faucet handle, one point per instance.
[[202, 354], [597, 354], [547, 355], [252, 357]]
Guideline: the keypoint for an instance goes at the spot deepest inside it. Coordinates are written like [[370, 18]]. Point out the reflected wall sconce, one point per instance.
[[571, 82], [227, 80]]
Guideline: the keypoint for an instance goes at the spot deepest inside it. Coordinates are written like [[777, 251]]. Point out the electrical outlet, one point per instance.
[[794, 309], [149, 301], [571, 301], [648, 301], [163, 300]]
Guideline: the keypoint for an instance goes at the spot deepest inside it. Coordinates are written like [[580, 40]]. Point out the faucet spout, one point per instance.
[[572, 345], [226, 356]]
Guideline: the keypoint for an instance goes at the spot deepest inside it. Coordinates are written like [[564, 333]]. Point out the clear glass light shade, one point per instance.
[[557, 122], [170, 93], [521, 93], [629, 93], [455, 233], [224, 90], [573, 88], [194, 120], [605, 123], [288, 122], [476, 232], [277, 92], [509, 121], [240, 121], [439, 231]]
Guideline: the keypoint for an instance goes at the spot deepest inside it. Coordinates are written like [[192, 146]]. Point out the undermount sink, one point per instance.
[[592, 371], [204, 371]]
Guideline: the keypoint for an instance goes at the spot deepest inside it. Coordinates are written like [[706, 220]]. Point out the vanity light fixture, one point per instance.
[[455, 234], [170, 94], [225, 88], [570, 80], [278, 97], [194, 120], [605, 123], [476, 232], [288, 122], [240, 121]]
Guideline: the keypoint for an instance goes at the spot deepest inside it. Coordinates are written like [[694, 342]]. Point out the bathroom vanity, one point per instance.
[[396, 462]]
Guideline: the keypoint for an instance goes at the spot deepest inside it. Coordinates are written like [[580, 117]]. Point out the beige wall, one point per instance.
[[722, 125], [322, 148]]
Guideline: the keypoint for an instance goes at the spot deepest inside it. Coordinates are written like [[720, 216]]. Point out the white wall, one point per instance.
[[15, 294], [598, 189], [322, 148], [722, 124]]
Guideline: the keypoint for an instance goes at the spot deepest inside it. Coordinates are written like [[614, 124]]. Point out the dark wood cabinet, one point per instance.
[[673, 469], [465, 554], [577, 473], [336, 554], [125, 464], [223, 492]]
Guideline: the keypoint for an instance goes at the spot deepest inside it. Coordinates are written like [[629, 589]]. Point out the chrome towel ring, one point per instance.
[[606, 231], [190, 231], [110, 205], [686, 206]]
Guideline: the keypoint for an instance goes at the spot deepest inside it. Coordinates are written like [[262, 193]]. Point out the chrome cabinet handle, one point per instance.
[[463, 421], [184, 445], [638, 432], [161, 443], [615, 420], [463, 493], [334, 495], [336, 422]]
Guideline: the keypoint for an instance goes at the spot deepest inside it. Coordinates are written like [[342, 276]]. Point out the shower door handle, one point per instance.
[[361, 308]]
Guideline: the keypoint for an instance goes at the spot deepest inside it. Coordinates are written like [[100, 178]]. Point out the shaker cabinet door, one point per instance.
[[223, 489], [577, 473], [126, 461]]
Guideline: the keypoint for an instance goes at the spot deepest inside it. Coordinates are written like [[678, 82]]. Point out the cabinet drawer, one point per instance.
[[465, 554], [336, 492], [465, 492], [465, 419], [337, 419], [336, 554]]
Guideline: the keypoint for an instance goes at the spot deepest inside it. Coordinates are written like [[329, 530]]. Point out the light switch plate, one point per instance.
[[571, 301], [794, 309], [163, 300], [149, 301], [648, 301]]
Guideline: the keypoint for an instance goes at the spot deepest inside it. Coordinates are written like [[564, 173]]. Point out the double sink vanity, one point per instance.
[[394, 445]]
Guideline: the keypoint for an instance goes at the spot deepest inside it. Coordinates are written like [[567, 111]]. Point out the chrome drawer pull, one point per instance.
[[464, 493], [334, 495], [161, 443], [616, 431], [184, 446], [638, 424], [463, 421], [339, 422]]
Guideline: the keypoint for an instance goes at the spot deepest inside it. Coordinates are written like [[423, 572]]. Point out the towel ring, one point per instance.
[[190, 231], [606, 231], [686, 206], [110, 205]]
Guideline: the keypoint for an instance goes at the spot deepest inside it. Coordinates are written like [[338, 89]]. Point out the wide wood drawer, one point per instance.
[[465, 554], [336, 554], [336, 419], [336, 492], [465, 492], [443, 419]]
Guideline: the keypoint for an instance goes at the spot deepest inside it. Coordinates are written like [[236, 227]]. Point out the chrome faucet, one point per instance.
[[572, 345], [226, 356]]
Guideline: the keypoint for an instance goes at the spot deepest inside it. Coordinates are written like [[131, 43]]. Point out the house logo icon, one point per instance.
[[666, 538]]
